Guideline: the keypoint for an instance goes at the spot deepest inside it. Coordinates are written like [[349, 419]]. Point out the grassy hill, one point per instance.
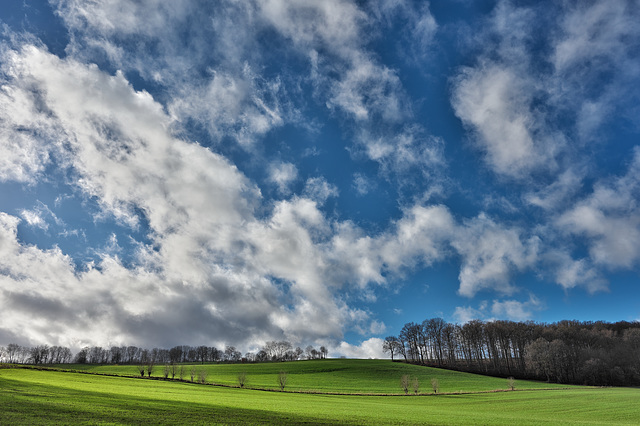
[[334, 376], [53, 397]]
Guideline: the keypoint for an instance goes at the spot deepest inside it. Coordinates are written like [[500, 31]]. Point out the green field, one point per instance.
[[45, 397], [334, 375]]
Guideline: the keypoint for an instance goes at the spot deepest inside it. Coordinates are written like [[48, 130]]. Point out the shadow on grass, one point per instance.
[[35, 404]]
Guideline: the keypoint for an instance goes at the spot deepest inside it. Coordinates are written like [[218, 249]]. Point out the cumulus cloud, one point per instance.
[[368, 349], [570, 273], [512, 103], [23, 122], [319, 189], [404, 151], [210, 258], [199, 209], [516, 310], [464, 314], [491, 254], [513, 310], [362, 184], [609, 219], [223, 86], [334, 36], [212, 84], [495, 99], [216, 263], [419, 26], [241, 105], [365, 88], [555, 195], [282, 175], [419, 237], [33, 218], [594, 32]]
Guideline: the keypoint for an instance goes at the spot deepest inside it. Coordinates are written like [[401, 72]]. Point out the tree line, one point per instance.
[[592, 353], [44, 354]]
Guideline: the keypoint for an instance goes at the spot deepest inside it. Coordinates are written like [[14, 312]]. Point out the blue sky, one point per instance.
[[228, 173]]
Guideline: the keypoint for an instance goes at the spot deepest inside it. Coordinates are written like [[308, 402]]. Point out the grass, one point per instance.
[[336, 375], [45, 397]]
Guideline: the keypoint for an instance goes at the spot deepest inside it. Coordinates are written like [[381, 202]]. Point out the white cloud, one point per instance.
[[512, 310], [555, 195], [364, 88], [491, 254], [23, 122], [495, 102], [212, 84], [515, 310], [464, 314], [243, 106], [362, 184], [368, 349], [199, 209], [404, 151], [512, 101], [210, 258], [610, 219], [33, 218], [319, 189], [595, 31], [570, 273], [419, 237], [283, 175], [418, 28]]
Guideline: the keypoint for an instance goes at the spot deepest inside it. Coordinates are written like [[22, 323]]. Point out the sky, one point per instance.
[[319, 171]]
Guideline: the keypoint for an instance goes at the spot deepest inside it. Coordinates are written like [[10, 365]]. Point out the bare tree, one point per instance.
[[282, 380], [435, 385], [192, 372], [12, 352], [391, 345], [133, 354], [404, 383], [166, 371], [116, 354], [175, 354], [511, 383], [232, 354], [39, 354], [324, 351], [309, 350], [181, 372], [276, 351], [415, 384], [150, 366], [172, 369], [242, 378], [202, 376], [141, 368], [65, 356]]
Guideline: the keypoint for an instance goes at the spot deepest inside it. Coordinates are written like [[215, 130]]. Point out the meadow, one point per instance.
[[346, 376], [44, 397]]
